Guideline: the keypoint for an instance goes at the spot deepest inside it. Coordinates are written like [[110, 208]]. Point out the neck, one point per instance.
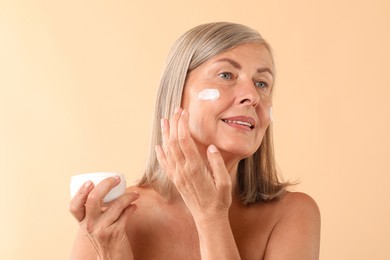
[[231, 162]]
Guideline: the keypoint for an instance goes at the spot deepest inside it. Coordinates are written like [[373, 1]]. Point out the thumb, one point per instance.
[[221, 177]]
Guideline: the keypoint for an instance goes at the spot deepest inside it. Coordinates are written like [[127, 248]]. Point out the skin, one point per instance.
[[200, 153]]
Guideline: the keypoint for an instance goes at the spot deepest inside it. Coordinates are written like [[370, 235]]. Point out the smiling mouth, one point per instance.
[[238, 122]]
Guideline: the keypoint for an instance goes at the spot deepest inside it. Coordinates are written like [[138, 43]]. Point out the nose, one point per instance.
[[248, 94]]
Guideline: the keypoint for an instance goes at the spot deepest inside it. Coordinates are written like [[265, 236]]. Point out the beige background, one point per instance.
[[77, 87]]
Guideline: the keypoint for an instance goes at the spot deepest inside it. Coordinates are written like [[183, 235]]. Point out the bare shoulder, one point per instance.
[[149, 204], [133, 188], [146, 199], [146, 192], [299, 211], [299, 203], [298, 229], [149, 207]]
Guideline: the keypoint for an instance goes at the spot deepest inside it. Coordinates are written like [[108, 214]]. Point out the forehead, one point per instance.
[[249, 52]]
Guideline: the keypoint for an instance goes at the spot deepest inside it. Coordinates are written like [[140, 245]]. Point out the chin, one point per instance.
[[233, 151]]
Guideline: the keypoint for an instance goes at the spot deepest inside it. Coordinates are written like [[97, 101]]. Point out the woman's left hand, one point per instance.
[[205, 186]]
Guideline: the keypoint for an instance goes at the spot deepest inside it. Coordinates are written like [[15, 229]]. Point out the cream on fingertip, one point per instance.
[[212, 149]]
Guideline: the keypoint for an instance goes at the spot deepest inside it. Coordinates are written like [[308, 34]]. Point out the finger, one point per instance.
[[77, 204], [221, 176], [173, 137], [95, 198], [187, 144], [117, 207], [162, 160], [165, 130]]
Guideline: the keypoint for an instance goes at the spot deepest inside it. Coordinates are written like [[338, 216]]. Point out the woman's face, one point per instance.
[[228, 99]]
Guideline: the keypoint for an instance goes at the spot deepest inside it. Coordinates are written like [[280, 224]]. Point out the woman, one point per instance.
[[210, 190]]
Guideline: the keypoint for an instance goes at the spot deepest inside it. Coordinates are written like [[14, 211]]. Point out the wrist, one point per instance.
[[114, 255], [212, 221]]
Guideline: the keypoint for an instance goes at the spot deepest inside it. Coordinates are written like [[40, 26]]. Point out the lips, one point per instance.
[[244, 122]]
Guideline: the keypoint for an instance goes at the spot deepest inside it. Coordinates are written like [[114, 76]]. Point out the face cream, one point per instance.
[[270, 114], [209, 94]]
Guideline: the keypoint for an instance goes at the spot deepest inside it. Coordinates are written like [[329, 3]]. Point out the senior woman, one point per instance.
[[210, 189]]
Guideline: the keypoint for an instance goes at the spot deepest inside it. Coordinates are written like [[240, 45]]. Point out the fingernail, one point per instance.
[[117, 178], [177, 109], [183, 112], [88, 184], [212, 149]]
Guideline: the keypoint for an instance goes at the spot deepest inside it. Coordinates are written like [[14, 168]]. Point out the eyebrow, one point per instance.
[[232, 62], [238, 66]]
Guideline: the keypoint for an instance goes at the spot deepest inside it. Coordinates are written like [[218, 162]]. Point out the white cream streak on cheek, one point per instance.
[[209, 94], [270, 114]]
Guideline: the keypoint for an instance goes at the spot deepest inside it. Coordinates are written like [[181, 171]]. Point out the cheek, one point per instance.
[[265, 108], [199, 128]]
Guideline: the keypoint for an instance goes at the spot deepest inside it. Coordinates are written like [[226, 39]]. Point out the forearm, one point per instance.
[[216, 240]]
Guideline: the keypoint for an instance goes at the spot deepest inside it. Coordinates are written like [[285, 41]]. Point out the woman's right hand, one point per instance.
[[104, 225]]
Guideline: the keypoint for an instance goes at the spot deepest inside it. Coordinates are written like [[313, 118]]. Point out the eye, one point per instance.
[[225, 75], [261, 84]]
